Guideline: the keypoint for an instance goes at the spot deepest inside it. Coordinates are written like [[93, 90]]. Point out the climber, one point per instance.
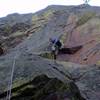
[[56, 45]]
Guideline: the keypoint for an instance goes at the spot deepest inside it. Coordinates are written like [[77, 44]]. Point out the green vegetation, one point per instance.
[[46, 55], [63, 38], [48, 14], [35, 18], [18, 33], [39, 21], [42, 86], [44, 16], [6, 29], [83, 19], [19, 82]]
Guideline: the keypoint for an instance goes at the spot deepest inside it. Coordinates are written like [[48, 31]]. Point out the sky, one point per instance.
[[32, 6]]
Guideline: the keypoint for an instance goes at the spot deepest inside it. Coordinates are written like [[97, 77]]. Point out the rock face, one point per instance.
[[83, 80], [44, 88], [27, 67], [77, 25], [82, 30], [87, 80], [12, 29], [89, 83], [79, 28]]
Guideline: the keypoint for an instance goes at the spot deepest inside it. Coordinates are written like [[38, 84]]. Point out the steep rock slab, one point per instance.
[[44, 88], [27, 66], [86, 78]]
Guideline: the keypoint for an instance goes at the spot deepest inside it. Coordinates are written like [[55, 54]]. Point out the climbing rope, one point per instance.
[[8, 97]]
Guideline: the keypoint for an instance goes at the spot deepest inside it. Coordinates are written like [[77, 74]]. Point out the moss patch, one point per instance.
[[48, 14], [83, 19], [47, 55], [44, 88]]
